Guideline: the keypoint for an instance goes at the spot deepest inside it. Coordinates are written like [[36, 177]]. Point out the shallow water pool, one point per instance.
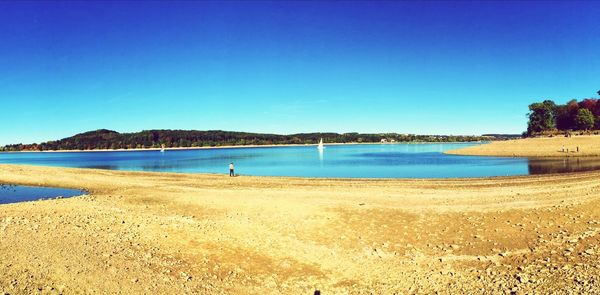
[[19, 193]]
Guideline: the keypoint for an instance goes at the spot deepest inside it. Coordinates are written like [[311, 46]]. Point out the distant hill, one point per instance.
[[108, 139]]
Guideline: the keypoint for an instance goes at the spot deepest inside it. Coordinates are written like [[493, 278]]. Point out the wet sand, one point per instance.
[[589, 146], [166, 233]]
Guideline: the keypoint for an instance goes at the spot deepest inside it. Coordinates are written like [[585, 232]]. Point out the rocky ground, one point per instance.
[[165, 233]]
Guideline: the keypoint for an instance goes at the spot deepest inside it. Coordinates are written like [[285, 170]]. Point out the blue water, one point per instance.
[[368, 161], [20, 193]]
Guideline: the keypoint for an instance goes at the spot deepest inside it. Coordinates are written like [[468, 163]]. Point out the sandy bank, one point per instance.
[[164, 233], [589, 145]]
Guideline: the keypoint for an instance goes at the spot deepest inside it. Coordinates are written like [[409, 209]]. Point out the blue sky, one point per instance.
[[286, 67]]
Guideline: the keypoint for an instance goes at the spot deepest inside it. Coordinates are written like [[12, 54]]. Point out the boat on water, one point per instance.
[[162, 148], [320, 145]]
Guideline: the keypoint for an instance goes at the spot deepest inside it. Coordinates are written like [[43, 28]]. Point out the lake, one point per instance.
[[351, 160], [20, 193]]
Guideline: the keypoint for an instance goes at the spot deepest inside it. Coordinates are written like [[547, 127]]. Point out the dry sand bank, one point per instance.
[[163, 233], [589, 145]]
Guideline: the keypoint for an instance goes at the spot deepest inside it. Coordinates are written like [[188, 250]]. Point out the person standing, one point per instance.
[[231, 169]]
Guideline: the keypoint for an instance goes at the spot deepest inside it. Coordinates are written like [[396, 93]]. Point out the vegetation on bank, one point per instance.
[[108, 139], [548, 117]]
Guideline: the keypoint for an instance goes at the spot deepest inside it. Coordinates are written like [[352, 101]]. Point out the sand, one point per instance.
[[589, 145], [163, 233]]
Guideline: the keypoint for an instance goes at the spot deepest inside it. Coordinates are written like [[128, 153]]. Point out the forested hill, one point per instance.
[[108, 139]]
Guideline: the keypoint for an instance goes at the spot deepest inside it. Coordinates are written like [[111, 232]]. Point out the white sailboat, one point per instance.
[[320, 146], [162, 148]]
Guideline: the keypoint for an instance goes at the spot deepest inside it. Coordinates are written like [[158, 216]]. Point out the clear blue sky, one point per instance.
[[286, 67]]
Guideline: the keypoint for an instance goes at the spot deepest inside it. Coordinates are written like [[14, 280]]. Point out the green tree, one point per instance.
[[584, 119], [541, 116]]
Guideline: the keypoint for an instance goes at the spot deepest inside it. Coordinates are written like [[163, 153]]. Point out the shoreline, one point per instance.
[[170, 233], [538, 147], [299, 178], [238, 146]]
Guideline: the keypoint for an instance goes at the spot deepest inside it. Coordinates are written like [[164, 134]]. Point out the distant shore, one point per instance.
[[231, 147], [558, 146]]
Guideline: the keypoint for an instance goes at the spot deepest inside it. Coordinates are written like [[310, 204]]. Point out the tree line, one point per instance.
[[108, 139], [548, 116]]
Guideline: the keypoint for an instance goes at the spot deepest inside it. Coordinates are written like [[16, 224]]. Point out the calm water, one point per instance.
[[369, 161], [19, 193]]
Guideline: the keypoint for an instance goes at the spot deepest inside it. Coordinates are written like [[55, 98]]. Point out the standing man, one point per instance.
[[231, 169]]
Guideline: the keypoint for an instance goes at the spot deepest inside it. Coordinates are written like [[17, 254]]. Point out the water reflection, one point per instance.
[[321, 151], [104, 167], [562, 165]]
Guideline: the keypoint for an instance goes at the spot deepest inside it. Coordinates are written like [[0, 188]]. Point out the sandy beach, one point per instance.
[[589, 146], [164, 233]]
